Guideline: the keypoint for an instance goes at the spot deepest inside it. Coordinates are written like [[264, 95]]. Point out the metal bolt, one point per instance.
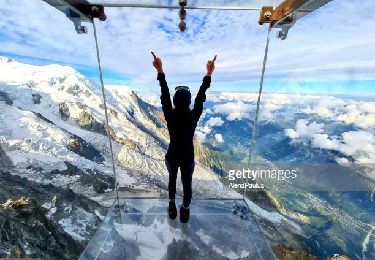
[[267, 15], [94, 8], [282, 35], [83, 30]]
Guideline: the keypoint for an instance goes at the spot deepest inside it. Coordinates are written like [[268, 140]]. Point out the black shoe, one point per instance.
[[172, 210], [184, 214]]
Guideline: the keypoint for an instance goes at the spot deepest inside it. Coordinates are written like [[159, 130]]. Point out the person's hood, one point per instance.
[[182, 99]]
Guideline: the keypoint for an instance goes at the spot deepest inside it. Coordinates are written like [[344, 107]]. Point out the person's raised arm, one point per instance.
[[165, 96], [201, 96]]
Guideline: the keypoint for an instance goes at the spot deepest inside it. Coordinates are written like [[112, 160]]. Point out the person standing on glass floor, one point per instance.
[[181, 122]]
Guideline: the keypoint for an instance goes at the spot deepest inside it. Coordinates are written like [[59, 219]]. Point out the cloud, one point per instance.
[[234, 110], [324, 142], [356, 111], [360, 145], [342, 161], [349, 111], [226, 96], [34, 30], [202, 132], [200, 136], [205, 129], [219, 138], [304, 129], [291, 133], [214, 121]]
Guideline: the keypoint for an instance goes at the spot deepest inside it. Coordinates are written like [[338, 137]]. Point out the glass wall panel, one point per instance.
[[133, 92], [315, 140], [140, 136], [56, 178]]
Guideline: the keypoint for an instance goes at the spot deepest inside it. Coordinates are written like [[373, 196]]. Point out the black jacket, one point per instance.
[[181, 123]]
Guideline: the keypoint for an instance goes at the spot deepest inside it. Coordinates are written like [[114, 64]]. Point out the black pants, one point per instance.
[[186, 179]]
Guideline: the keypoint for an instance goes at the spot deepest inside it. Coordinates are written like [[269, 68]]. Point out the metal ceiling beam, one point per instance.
[[192, 7], [240, 8], [284, 16], [66, 6]]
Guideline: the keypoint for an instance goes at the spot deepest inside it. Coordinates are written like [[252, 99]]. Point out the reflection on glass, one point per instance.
[[146, 232]]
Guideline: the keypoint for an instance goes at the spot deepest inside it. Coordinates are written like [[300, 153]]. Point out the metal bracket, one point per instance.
[[77, 21], [79, 11], [241, 210], [285, 25], [287, 13]]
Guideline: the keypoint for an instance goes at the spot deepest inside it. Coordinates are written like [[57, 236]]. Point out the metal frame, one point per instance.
[[155, 6], [288, 13], [284, 16], [234, 8]]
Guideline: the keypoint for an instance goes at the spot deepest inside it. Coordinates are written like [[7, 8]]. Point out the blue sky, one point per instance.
[[330, 51]]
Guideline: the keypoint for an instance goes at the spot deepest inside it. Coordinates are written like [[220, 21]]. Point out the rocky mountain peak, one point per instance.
[[6, 59]]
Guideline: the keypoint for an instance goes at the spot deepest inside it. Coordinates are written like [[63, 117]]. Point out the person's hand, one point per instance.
[[211, 66], [157, 63]]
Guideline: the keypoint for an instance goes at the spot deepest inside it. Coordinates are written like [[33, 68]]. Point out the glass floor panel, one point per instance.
[[218, 229]]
